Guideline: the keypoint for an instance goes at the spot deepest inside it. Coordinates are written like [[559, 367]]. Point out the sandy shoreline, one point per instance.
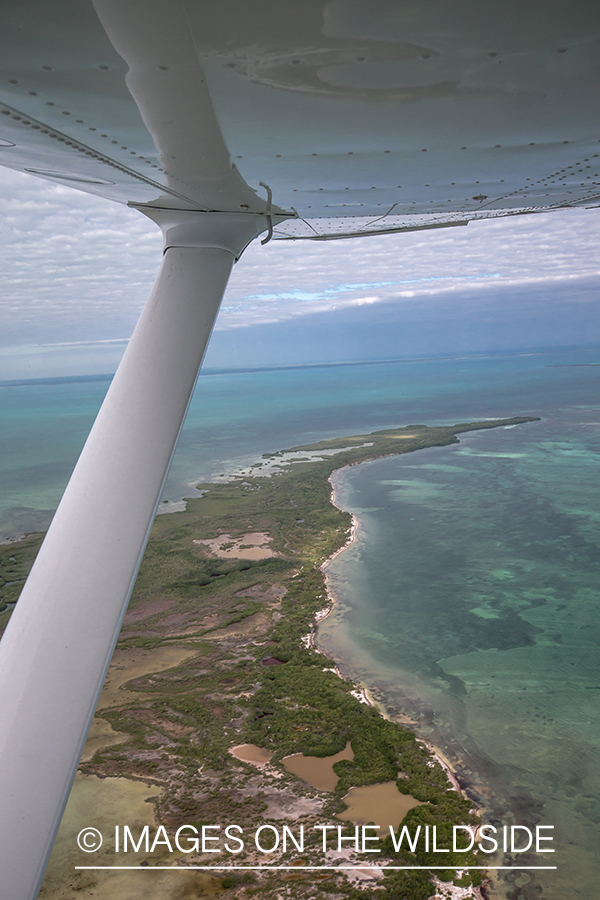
[[364, 694], [363, 691]]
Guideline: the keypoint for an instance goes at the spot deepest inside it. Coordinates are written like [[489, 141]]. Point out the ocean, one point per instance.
[[469, 599]]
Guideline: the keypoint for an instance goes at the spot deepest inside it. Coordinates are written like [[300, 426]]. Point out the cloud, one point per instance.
[[77, 268], [514, 253], [74, 267]]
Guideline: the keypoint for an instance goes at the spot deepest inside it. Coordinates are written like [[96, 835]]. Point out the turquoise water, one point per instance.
[[471, 595], [237, 416], [42, 430], [470, 599]]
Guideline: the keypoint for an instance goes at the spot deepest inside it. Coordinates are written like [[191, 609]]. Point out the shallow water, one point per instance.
[[250, 753], [317, 770], [235, 417], [473, 582], [105, 801], [470, 597], [382, 804]]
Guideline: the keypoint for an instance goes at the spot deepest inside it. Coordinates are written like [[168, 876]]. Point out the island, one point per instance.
[[217, 700]]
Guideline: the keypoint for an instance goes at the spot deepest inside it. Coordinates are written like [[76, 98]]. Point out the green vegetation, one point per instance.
[[234, 613], [16, 560]]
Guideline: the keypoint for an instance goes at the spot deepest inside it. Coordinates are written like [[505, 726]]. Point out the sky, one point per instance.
[[76, 271]]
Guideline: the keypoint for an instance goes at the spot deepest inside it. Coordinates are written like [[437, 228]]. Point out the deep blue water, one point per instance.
[[471, 595]]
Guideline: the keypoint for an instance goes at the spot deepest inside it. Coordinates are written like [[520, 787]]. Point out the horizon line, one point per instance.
[[228, 370]]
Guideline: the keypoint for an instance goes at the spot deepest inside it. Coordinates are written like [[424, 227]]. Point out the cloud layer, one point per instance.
[[77, 270]]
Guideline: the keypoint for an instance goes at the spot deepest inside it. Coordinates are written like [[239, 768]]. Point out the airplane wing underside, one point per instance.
[[381, 115]]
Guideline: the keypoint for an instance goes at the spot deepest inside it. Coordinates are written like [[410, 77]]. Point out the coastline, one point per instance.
[[488, 790], [364, 693], [365, 690], [309, 639], [248, 678]]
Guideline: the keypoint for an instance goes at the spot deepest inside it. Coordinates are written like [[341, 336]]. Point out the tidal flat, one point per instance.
[[221, 617]]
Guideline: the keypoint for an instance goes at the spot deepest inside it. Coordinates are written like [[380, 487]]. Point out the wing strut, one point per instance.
[[58, 645]]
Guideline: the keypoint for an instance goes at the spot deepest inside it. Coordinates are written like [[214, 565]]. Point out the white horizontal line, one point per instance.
[[318, 868]]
